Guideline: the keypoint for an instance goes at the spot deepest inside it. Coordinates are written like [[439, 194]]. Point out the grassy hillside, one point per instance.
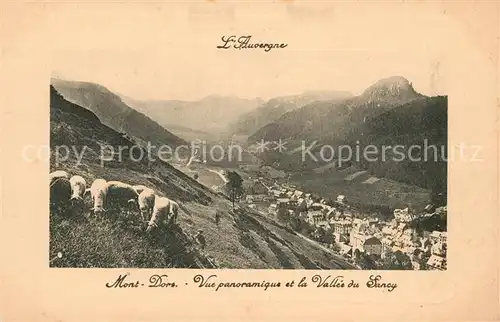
[[244, 238], [418, 123], [365, 191]]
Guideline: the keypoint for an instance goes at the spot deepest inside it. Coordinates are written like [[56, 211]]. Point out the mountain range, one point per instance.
[[329, 119], [212, 114], [273, 109], [388, 112]]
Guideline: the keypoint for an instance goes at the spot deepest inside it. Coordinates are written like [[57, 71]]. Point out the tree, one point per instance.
[[329, 238], [295, 223], [234, 186], [396, 261], [282, 215]]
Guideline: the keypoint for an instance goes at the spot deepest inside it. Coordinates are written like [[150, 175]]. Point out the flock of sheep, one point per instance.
[[66, 189]]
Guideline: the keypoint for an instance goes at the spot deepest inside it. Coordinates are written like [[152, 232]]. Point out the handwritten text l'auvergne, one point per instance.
[[245, 42]]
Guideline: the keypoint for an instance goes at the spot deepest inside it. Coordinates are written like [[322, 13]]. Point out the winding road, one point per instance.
[[220, 175]]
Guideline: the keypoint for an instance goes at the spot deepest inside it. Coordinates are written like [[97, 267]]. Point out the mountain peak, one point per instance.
[[389, 89]]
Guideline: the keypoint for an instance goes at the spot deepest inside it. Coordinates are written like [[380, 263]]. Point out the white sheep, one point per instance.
[[160, 214], [146, 201], [58, 174], [78, 187], [98, 191], [174, 210], [60, 193], [120, 193]]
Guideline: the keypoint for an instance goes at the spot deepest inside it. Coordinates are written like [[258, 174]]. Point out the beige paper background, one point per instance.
[[35, 35]]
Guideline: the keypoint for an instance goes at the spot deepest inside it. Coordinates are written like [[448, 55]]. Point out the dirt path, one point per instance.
[[220, 175]]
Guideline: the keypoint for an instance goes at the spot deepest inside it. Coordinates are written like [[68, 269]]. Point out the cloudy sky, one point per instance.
[[159, 52]]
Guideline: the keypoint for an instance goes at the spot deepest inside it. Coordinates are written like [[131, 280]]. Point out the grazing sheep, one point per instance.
[[60, 193], [58, 174], [78, 187], [146, 201], [161, 210], [98, 192], [120, 193], [174, 210]]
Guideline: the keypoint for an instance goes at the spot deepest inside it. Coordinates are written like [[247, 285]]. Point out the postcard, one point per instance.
[[219, 160]]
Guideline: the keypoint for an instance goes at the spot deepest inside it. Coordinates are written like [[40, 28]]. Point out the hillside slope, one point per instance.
[[113, 112], [388, 112], [332, 120], [420, 123], [244, 239]]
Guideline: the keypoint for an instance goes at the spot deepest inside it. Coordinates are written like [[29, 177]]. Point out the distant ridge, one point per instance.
[[112, 111], [276, 107], [212, 114]]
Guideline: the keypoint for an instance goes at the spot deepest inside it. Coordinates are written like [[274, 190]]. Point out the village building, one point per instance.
[[249, 199], [316, 218], [436, 262], [357, 235], [402, 215], [341, 229], [387, 245], [341, 199], [373, 246], [437, 249], [297, 194], [438, 237], [276, 193], [329, 212], [443, 237], [345, 250], [282, 202], [301, 205], [387, 230], [273, 208]]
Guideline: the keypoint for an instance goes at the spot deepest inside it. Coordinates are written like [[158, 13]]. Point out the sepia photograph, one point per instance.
[[347, 175], [225, 160]]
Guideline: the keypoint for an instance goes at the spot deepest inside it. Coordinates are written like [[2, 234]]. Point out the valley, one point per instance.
[[243, 238], [254, 234]]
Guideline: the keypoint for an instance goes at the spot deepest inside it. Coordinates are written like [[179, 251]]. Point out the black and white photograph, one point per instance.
[[320, 179], [255, 161]]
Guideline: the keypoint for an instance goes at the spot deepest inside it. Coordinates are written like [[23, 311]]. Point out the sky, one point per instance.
[[158, 52]]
